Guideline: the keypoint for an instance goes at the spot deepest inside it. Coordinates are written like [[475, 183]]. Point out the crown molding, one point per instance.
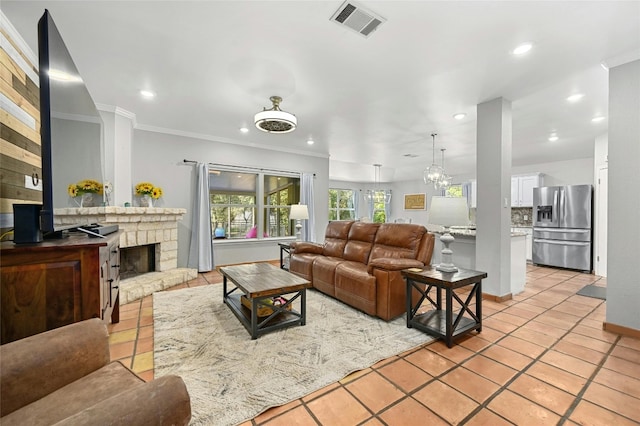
[[220, 139]]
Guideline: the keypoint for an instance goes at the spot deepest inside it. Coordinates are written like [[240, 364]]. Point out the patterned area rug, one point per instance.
[[232, 378]]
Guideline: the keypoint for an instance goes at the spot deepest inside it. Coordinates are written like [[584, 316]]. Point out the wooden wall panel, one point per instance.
[[20, 153]]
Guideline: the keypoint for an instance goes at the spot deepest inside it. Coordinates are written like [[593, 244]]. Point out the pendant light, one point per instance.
[[376, 194], [432, 174], [445, 180]]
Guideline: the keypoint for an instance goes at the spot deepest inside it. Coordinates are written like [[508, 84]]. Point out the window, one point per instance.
[[341, 204], [379, 214], [454, 191], [280, 193], [235, 204]]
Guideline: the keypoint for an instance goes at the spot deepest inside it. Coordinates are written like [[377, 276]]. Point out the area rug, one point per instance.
[[231, 378], [594, 291]]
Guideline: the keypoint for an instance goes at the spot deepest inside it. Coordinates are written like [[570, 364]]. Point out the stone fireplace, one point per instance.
[[140, 226]]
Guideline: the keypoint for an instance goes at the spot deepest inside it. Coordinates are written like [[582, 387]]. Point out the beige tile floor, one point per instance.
[[541, 359]]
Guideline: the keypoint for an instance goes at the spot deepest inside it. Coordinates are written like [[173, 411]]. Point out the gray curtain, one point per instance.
[[306, 197], [201, 247]]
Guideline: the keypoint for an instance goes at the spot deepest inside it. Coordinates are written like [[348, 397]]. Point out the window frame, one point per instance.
[[338, 209], [260, 207]]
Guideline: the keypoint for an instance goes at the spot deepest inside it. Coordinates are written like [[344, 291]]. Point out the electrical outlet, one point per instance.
[[29, 184]]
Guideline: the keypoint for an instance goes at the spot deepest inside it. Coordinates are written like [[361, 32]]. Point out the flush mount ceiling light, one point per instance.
[[459, 116], [597, 119], [244, 130], [147, 94], [575, 97], [274, 120], [553, 137], [522, 49]]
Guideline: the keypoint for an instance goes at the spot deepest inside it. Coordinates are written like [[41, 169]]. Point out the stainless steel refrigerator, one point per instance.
[[562, 226]]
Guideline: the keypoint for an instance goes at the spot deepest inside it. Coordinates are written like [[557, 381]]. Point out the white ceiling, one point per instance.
[[214, 64]]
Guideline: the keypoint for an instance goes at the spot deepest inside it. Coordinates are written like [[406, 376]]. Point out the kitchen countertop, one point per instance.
[[465, 232]]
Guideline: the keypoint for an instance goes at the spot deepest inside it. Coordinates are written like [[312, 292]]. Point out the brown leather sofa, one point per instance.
[[360, 263], [64, 377]]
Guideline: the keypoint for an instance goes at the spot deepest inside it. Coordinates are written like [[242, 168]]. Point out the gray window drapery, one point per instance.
[[201, 246]]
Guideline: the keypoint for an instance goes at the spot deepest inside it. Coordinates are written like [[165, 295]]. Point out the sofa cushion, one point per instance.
[[75, 397], [356, 287], [324, 270], [397, 240], [335, 237], [360, 241], [301, 264]]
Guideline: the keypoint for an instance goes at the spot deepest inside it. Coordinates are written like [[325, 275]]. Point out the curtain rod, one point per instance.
[[243, 167]]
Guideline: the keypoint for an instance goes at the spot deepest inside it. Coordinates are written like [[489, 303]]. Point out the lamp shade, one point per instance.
[[299, 211], [449, 211]]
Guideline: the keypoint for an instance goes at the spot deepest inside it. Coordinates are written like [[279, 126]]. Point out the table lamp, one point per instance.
[[299, 212], [448, 211]]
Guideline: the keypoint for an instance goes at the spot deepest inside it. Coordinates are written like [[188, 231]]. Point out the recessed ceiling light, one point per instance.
[[147, 94], [522, 49], [553, 137], [459, 116], [244, 130], [310, 142], [575, 97], [597, 119]]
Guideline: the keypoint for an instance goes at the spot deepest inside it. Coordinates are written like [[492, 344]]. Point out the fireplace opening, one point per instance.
[[137, 260]]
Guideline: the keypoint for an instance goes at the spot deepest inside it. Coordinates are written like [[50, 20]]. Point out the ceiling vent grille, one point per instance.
[[357, 18]]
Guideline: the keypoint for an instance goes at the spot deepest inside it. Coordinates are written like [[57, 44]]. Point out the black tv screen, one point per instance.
[[71, 130]]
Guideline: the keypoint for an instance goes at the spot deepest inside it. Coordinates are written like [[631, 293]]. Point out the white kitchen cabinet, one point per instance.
[[529, 240], [522, 189]]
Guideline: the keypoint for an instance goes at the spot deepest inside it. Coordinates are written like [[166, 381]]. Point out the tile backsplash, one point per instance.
[[520, 216]]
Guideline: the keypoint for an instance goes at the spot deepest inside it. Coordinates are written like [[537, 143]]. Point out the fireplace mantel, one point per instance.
[[139, 226]]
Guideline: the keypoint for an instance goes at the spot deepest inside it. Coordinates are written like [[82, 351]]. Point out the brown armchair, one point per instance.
[[64, 376]]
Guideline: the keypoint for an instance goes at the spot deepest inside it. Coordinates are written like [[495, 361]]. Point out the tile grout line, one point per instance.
[[580, 394]]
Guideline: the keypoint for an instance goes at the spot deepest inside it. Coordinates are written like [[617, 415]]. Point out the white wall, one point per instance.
[[158, 158], [557, 173], [398, 191]]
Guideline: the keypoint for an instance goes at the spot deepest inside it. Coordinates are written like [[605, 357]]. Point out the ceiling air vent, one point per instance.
[[357, 18]]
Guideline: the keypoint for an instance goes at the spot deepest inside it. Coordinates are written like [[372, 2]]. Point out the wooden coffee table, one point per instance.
[[260, 282]]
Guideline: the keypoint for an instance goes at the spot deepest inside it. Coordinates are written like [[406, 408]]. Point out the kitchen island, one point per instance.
[[464, 252]]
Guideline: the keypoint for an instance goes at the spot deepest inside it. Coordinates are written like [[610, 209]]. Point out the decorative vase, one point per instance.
[[86, 199], [146, 201]]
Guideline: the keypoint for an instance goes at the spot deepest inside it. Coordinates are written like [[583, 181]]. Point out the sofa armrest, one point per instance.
[[163, 401], [35, 366], [393, 264], [306, 247]]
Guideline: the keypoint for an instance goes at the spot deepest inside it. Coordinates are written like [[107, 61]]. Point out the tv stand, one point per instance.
[[55, 235], [58, 282]]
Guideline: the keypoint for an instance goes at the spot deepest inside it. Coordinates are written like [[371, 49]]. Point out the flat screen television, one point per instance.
[[71, 131]]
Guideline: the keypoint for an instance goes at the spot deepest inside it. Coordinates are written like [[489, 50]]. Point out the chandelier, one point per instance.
[[433, 174], [274, 120], [445, 180], [376, 194]]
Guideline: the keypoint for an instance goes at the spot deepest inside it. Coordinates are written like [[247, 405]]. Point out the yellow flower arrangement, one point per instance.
[[147, 188], [86, 186]]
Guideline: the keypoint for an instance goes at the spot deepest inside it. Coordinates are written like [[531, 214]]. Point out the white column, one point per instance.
[[493, 214], [623, 247], [118, 138]]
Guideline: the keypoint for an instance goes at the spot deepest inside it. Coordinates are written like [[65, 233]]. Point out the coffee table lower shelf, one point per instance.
[[263, 325], [434, 322]]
